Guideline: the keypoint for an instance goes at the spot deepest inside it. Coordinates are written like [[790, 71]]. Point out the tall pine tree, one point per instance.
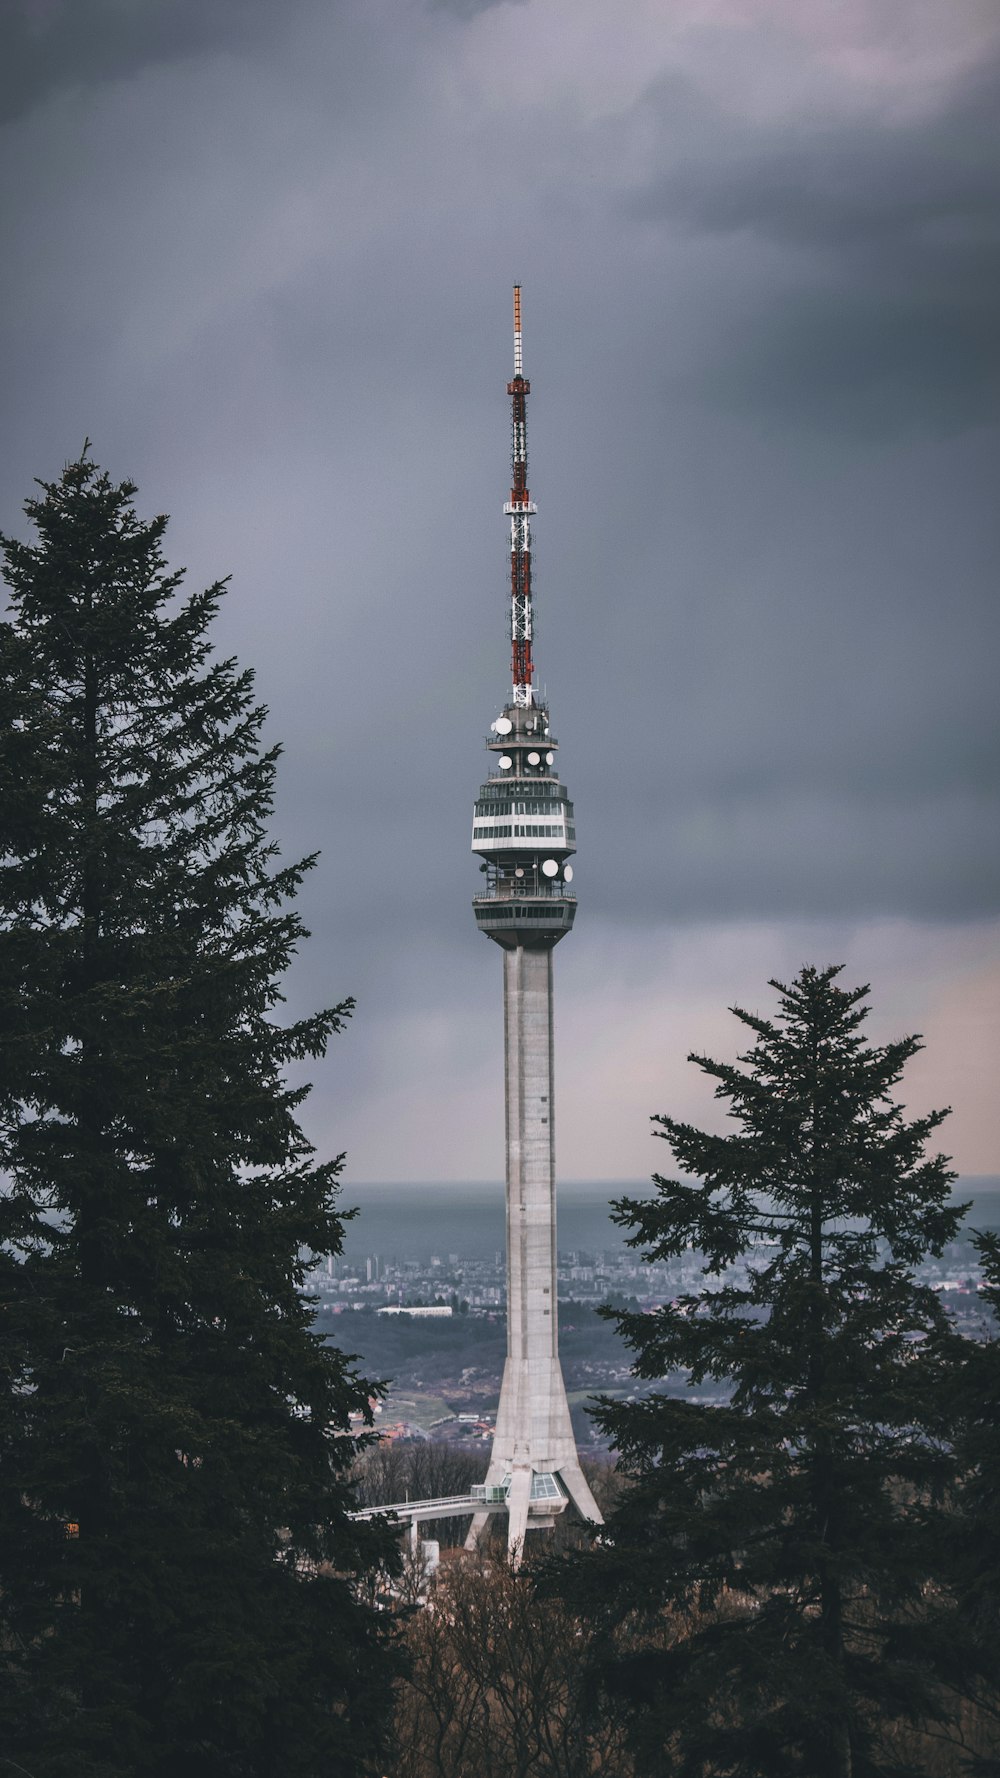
[[972, 1630], [179, 1575], [767, 1582]]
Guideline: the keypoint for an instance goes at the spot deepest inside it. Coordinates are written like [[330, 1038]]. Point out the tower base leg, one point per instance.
[[476, 1529], [578, 1488], [518, 1501], [573, 1481], [517, 1515]]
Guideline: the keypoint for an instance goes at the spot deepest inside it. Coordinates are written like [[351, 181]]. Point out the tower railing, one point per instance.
[[542, 890]]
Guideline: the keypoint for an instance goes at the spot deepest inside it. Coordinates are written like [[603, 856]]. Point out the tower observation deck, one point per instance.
[[525, 835]]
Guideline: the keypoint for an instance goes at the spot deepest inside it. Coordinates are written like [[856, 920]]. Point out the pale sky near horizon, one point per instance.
[[262, 256]]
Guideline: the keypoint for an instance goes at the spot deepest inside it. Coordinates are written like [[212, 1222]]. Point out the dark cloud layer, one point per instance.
[[266, 265], [889, 319], [872, 187], [470, 9], [51, 45]]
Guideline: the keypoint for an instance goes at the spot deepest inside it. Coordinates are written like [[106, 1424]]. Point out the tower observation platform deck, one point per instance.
[[524, 831]]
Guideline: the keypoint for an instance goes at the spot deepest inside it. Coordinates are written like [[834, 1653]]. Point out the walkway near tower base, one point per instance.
[[539, 1503]]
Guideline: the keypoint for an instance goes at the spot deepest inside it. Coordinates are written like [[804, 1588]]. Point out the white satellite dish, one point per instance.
[[549, 758], [550, 868], [503, 725], [519, 872], [568, 873], [534, 759], [505, 762]]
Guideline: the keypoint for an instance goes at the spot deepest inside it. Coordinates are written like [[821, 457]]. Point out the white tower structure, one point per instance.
[[524, 832]]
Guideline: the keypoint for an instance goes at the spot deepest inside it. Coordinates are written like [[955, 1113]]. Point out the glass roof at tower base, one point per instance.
[[546, 1493]]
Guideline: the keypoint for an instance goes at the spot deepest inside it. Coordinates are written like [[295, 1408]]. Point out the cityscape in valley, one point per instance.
[[433, 1325]]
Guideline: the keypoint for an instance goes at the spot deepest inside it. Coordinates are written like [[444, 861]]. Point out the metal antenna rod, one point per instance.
[[519, 509], [517, 330]]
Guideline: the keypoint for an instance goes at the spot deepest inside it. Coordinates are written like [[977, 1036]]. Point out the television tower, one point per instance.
[[523, 831]]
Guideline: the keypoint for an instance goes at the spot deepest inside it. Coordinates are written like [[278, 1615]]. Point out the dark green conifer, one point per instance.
[[178, 1592], [971, 1634], [768, 1580]]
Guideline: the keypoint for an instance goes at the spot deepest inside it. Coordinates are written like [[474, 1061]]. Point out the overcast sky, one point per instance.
[[262, 255]]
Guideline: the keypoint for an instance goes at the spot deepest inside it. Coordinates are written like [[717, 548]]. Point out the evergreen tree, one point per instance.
[[972, 1632], [766, 1582], [179, 1575]]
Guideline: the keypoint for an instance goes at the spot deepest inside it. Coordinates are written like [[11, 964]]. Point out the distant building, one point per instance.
[[416, 1309]]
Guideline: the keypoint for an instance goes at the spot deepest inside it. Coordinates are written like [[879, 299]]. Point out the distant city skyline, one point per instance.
[[262, 257], [422, 1218]]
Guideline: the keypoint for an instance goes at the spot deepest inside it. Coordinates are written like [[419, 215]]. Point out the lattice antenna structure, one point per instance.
[[519, 509]]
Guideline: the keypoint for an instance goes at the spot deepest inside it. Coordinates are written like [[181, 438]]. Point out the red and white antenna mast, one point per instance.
[[519, 509]]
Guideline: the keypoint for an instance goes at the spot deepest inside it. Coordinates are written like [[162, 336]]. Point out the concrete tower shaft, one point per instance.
[[524, 832], [533, 1423]]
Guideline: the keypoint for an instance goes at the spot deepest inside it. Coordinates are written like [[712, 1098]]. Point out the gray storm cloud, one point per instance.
[[890, 325], [263, 256], [55, 45]]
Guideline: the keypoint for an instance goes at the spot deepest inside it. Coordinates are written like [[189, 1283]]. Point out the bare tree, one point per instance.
[[498, 1685], [394, 1470]]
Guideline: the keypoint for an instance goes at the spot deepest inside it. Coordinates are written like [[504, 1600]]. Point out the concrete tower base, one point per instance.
[[534, 1434]]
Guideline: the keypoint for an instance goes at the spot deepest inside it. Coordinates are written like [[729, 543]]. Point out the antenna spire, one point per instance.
[[517, 330], [519, 509]]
